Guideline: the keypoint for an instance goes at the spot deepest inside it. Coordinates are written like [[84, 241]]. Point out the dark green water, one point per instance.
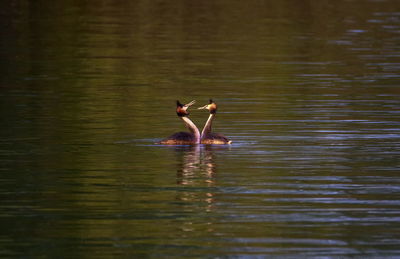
[[307, 90]]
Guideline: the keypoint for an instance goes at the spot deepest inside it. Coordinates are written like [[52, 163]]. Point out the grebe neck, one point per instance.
[[192, 128], [207, 127]]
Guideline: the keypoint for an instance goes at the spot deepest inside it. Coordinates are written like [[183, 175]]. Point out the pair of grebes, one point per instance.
[[194, 136]]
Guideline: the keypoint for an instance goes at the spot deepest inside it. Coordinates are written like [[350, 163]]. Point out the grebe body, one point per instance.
[[184, 138], [215, 138], [180, 138]]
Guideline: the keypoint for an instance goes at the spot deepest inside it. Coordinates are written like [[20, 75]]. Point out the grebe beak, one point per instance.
[[189, 104], [202, 108]]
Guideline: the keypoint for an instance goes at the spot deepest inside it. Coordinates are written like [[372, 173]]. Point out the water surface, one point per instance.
[[307, 90]]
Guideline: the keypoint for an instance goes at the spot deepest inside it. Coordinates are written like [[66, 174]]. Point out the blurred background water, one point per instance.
[[307, 90]]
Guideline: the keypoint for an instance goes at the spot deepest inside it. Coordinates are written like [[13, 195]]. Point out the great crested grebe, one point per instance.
[[184, 138], [208, 137]]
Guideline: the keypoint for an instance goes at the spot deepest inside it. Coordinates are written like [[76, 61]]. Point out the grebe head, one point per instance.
[[181, 109], [212, 107]]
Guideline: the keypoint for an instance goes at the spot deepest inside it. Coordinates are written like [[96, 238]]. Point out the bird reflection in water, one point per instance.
[[196, 165], [196, 174]]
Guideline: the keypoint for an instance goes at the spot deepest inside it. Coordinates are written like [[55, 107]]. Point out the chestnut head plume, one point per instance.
[[181, 109], [212, 107]]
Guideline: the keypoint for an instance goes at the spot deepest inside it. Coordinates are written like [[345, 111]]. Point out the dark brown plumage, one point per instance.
[[180, 138], [214, 138]]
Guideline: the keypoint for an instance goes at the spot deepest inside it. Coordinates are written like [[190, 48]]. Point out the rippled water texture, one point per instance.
[[307, 90]]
